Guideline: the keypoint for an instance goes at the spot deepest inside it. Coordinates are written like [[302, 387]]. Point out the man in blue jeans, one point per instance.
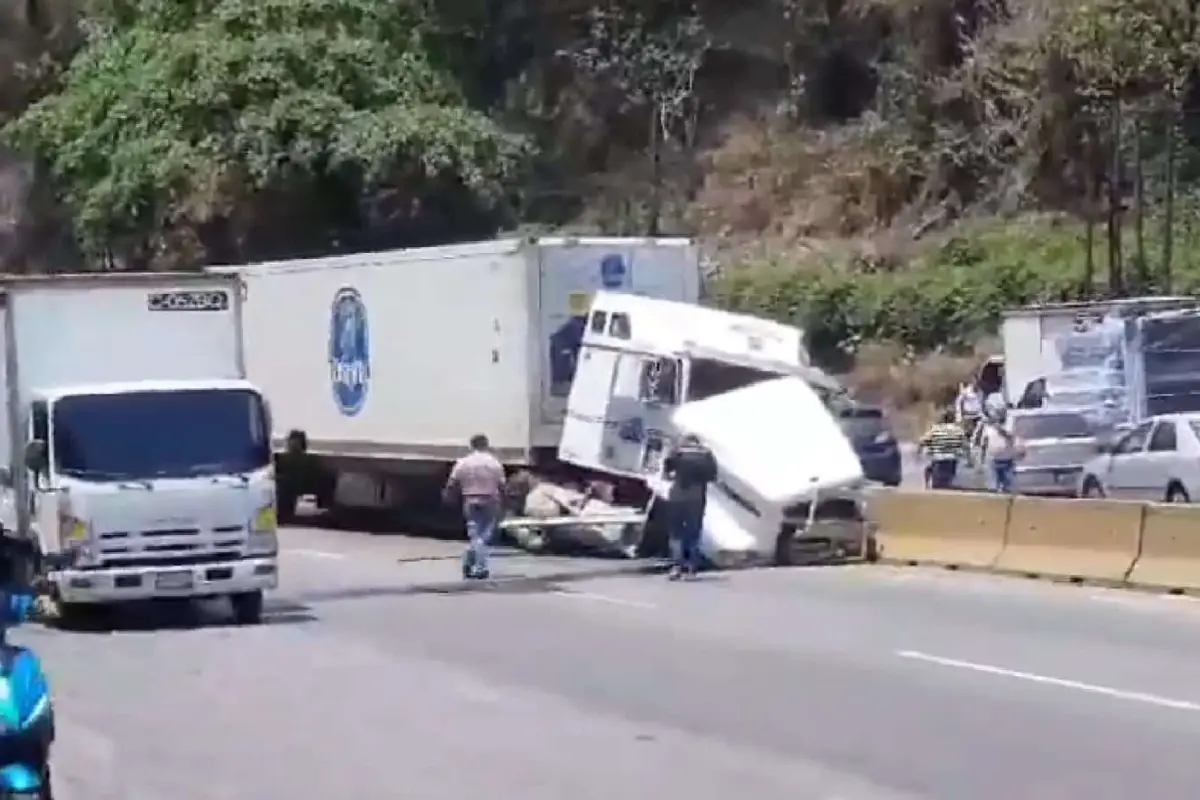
[[477, 479], [692, 468]]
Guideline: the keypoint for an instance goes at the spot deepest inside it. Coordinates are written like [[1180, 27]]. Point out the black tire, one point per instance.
[[1177, 494], [784, 554], [247, 607], [1092, 488]]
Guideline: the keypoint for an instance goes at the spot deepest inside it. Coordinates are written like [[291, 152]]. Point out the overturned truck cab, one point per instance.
[[649, 371]]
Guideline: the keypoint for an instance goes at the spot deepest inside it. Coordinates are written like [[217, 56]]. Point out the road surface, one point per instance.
[[378, 678]]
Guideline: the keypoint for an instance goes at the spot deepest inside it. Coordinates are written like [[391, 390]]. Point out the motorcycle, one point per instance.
[[26, 711]]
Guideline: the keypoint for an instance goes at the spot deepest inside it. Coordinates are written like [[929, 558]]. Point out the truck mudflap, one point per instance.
[[121, 584]]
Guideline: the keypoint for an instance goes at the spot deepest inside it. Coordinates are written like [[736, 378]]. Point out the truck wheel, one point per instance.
[[784, 555], [247, 607]]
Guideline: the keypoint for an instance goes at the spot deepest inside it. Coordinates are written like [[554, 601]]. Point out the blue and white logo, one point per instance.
[[349, 351], [613, 271]]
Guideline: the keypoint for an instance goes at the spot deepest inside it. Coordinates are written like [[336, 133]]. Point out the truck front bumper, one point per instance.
[[120, 584]]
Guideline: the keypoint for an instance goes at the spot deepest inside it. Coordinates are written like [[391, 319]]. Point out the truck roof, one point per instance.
[[77, 279], [670, 327], [448, 252], [1118, 305], [128, 387]]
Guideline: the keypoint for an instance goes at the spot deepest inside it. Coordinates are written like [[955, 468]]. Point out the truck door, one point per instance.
[[583, 439], [619, 409], [647, 391]]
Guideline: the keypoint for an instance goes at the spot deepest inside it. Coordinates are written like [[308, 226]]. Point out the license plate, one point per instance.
[[177, 579]]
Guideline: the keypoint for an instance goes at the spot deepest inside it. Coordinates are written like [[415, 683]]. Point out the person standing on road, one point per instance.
[[692, 467], [477, 481], [1000, 449], [968, 407], [944, 443]]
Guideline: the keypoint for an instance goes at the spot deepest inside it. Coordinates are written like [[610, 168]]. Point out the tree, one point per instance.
[[651, 70], [195, 126]]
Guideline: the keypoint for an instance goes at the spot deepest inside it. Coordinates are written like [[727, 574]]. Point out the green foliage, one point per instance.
[[950, 297], [178, 113]]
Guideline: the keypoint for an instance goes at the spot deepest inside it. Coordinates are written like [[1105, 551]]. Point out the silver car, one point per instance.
[[1056, 445]]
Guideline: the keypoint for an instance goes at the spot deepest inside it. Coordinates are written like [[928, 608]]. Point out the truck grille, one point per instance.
[[167, 546]]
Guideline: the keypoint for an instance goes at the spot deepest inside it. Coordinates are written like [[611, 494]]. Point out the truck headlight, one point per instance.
[[262, 540], [264, 520], [72, 531]]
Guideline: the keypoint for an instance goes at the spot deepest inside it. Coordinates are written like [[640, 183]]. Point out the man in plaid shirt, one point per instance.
[[943, 443]]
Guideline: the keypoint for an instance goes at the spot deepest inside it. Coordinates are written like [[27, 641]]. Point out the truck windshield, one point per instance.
[[162, 434]]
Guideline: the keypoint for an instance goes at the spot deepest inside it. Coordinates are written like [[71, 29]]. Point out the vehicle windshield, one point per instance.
[[1051, 426], [710, 377], [160, 434]]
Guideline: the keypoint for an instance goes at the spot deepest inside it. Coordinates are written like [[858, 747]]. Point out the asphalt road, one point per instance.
[[377, 678]]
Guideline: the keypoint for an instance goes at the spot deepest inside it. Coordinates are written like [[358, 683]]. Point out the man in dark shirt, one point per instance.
[[692, 467]]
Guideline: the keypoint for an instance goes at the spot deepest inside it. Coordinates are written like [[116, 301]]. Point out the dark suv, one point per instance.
[[868, 431]]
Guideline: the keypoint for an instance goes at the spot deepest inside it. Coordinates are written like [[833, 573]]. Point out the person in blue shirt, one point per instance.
[[26, 710]]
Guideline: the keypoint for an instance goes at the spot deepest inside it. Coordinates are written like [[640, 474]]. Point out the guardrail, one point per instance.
[[1147, 545]]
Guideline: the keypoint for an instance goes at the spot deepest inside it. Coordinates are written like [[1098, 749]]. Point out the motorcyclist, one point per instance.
[[26, 712]]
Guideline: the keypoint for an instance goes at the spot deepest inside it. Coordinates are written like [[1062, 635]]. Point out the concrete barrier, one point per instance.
[[955, 529], [1073, 539], [1170, 553]]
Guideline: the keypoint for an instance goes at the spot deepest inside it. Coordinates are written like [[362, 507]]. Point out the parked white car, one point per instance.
[[1157, 460], [1056, 446]]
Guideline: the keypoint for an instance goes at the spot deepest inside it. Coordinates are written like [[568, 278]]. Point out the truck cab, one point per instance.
[[137, 457], [650, 370], [149, 488]]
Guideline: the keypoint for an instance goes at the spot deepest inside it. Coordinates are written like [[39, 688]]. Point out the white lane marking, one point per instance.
[[1144, 601], [1046, 680], [325, 554], [602, 598]]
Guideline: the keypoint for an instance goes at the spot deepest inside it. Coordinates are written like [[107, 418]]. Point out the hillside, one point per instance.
[[894, 170]]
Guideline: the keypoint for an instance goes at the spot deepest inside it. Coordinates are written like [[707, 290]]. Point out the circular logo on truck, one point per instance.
[[613, 271], [349, 351]]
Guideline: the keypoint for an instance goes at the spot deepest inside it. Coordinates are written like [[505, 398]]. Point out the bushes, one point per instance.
[[946, 298]]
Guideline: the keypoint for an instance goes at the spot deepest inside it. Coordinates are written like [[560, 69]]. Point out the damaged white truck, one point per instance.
[[790, 484]]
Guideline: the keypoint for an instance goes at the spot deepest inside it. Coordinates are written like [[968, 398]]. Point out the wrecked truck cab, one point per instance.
[[788, 482], [649, 370]]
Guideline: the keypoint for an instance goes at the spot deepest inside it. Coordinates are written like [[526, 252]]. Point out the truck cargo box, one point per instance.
[[406, 354]]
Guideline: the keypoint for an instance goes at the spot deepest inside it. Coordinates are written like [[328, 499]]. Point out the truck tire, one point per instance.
[[247, 607]]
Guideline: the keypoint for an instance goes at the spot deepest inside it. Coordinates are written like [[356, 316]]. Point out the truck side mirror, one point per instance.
[[35, 456]]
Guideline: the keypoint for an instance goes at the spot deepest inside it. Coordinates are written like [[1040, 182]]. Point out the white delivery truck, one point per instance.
[[651, 370], [1089, 356], [381, 366], [138, 458]]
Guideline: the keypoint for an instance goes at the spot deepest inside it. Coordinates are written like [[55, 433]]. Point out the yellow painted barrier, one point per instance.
[[958, 529], [1075, 539], [1170, 556]]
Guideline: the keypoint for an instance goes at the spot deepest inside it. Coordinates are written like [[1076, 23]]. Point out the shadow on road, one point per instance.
[[180, 615], [514, 584]]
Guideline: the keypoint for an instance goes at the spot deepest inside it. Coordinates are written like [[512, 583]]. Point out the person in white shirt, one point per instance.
[[477, 481], [968, 407], [1000, 450]]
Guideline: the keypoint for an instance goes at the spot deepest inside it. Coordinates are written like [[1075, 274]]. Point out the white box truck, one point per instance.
[[383, 365], [138, 456]]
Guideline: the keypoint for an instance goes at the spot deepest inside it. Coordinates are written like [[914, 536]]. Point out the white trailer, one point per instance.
[[383, 365], [138, 455]]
